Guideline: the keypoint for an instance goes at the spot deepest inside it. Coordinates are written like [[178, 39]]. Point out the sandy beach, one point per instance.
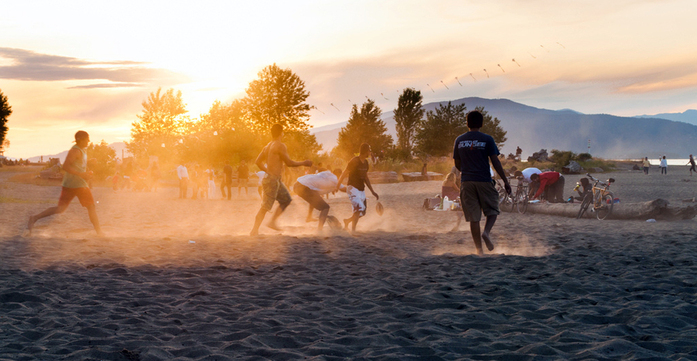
[[180, 280]]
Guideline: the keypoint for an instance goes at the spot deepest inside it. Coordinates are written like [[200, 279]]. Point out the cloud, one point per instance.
[[27, 65]]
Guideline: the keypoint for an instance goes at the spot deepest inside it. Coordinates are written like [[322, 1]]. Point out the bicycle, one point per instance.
[[517, 200], [601, 198]]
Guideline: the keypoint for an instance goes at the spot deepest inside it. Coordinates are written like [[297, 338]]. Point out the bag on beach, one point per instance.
[[431, 203]]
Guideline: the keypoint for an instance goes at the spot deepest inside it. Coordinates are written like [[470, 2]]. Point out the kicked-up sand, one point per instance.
[[180, 279]]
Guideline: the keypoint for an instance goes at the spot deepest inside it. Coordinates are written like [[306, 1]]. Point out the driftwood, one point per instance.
[[656, 209], [417, 176], [383, 177]]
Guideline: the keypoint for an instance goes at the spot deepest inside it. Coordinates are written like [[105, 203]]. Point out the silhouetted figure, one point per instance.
[[74, 184]]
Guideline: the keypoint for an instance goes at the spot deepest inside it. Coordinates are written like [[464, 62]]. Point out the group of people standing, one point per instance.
[[203, 181], [663, 164]]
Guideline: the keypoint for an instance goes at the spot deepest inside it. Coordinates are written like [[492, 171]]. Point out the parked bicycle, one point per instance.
[[517, 200], [600, 197]]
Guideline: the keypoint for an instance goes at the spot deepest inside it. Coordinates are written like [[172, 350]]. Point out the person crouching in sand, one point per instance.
[[311, 188], [271, 160], [472, 153], [357, 173], [74, 184]]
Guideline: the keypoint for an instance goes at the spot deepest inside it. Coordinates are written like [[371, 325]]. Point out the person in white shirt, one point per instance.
[[183, 175], [664, 165], [527, 173], [260, 174], [211, 182], [311, 188]]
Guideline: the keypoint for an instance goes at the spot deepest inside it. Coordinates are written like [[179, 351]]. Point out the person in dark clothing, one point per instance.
[[227, 180], [242, 177], [472, 153], [357, 173]]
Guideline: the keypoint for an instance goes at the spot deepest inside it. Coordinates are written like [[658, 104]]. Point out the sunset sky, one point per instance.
[[70, 65]]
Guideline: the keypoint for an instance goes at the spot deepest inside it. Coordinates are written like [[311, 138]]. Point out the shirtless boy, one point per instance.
[[270, 161]]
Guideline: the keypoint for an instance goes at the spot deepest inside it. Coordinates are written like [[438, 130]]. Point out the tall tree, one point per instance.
[[5, 111], [492, 126], [278, 96], [408, 117], [159, 126], [364, 126], [437, 134]]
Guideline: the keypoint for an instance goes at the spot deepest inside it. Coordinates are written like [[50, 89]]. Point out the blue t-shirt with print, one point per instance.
[[473, 149]]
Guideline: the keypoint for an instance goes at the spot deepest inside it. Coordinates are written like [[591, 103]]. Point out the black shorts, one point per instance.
[[310, 196]]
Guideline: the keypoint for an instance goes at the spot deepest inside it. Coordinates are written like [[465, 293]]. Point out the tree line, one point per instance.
[[238, 130]]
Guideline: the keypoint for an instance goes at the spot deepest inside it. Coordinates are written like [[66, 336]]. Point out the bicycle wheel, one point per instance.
[[505, 201], [604, 209], [521, 202], [587, 200]]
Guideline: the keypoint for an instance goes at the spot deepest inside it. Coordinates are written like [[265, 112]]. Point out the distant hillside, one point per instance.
[[688, 116], [533, 129], [118, 147]]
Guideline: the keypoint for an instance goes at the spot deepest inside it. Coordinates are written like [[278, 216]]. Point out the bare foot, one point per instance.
[[487, 240], [254, 232], [346, 223], [308, 220], [274, 226]]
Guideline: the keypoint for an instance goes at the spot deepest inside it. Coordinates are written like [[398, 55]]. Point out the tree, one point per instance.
[[363, 127], [437, 134], [278, 96], [492, 126], [5, 111], [160, 126], [221, 134], [408, 117], [104, 159]]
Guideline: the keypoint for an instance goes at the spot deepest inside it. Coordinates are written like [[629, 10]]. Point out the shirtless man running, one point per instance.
[[271, 160]]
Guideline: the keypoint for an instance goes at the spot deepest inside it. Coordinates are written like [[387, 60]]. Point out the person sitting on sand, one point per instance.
[[471, 154], [552, 183], [583, 188], [311, 187], [357, 173], [271, 160], [451, 189], [74, 184]]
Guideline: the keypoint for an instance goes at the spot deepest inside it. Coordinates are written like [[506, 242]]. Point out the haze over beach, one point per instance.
[[215, 139], [93, 65]]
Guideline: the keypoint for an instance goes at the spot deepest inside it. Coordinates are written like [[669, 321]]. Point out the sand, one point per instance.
[[180, 279]]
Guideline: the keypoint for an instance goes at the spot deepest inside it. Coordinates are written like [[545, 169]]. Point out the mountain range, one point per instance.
[[611, 137]]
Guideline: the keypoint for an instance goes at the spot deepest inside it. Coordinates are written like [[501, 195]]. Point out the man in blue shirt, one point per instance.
[[472, 153]]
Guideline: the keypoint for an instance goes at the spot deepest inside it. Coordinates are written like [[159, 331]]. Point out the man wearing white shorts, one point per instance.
[[357, 173]]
